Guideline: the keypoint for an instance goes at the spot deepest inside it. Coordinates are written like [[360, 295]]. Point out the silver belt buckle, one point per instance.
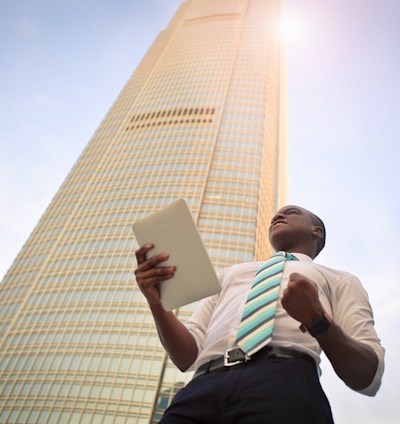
[[239, 361]]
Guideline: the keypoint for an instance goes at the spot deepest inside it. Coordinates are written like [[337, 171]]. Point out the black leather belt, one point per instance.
[[236, 356]]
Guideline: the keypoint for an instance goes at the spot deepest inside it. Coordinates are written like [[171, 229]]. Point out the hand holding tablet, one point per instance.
[[172, 230]]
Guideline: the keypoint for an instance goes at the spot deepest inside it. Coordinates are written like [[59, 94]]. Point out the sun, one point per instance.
[[293, 26]]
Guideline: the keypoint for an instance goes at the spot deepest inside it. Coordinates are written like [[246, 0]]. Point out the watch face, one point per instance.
[[319, 327]]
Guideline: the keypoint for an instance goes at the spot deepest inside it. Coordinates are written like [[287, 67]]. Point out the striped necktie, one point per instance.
[[257, 324]]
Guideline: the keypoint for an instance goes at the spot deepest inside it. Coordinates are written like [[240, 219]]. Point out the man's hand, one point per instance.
[[149, 274], [175, 337], [300, 299]]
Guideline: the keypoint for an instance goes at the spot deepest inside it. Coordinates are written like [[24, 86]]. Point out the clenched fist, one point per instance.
[[300, 299]]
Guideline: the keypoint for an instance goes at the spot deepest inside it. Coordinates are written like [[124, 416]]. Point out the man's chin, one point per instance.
[[278, 240]]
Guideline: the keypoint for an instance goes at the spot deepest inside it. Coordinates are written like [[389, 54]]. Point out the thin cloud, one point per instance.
[[26, 26]]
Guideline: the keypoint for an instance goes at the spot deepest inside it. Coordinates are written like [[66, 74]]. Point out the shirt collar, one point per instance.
[[302, 257]]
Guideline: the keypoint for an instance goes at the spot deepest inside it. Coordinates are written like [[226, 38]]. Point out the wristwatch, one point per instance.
[[319, 326]]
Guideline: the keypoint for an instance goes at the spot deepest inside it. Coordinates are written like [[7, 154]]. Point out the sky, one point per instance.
[[63, 63]]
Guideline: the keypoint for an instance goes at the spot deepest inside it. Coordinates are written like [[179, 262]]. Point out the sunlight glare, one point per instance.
[[293, 27]]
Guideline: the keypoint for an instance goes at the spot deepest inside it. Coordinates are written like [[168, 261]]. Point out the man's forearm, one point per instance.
[[175, 337], [354, 362]]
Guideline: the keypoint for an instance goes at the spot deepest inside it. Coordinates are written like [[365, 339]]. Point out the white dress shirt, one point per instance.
[[215, 322]]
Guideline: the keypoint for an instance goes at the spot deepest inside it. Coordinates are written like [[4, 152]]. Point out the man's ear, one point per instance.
[[318, 232]]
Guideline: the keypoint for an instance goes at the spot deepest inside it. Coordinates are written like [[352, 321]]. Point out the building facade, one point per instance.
[[202, 118]]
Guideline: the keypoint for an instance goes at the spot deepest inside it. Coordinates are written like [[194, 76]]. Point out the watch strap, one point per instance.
[[319, 326]]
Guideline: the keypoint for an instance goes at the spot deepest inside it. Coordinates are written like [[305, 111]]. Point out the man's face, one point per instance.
[[291, 228]]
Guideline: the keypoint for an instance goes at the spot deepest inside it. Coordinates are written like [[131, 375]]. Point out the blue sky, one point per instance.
[[64, 62]]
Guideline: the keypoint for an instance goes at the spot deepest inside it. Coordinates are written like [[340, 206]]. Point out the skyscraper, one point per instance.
[[203, 118]]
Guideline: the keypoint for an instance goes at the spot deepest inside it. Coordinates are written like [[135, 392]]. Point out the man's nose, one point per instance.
[[277, 217]]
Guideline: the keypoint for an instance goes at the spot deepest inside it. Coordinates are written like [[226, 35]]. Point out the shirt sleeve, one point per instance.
[[353, 313], [197, 324]]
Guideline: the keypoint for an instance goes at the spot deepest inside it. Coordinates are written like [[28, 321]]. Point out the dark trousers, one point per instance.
[[270, 391]]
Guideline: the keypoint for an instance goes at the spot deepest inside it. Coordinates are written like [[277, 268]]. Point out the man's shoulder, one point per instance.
[[334, 273], [240, 269], [244, 266]]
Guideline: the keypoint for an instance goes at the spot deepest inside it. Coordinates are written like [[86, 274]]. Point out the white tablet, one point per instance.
[[172, 230]]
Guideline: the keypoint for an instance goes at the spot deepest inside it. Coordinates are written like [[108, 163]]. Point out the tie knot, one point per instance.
[[288, 256], [277, 258]]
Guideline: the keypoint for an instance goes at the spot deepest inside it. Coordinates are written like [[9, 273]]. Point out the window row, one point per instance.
[[85, 295], [121, 339], [82, 412], [94, 245], [103, 261], [102, 317], [80, 362]]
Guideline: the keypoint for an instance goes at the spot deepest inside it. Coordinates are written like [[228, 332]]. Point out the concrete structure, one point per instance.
[[203, 118]]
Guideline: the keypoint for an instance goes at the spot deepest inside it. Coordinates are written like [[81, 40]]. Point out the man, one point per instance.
[[318, 309]]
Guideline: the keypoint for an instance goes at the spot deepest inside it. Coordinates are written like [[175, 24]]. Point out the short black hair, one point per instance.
[[318, 222]]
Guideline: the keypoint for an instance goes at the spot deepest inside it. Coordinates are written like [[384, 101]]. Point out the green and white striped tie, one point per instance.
[[257, 324]]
